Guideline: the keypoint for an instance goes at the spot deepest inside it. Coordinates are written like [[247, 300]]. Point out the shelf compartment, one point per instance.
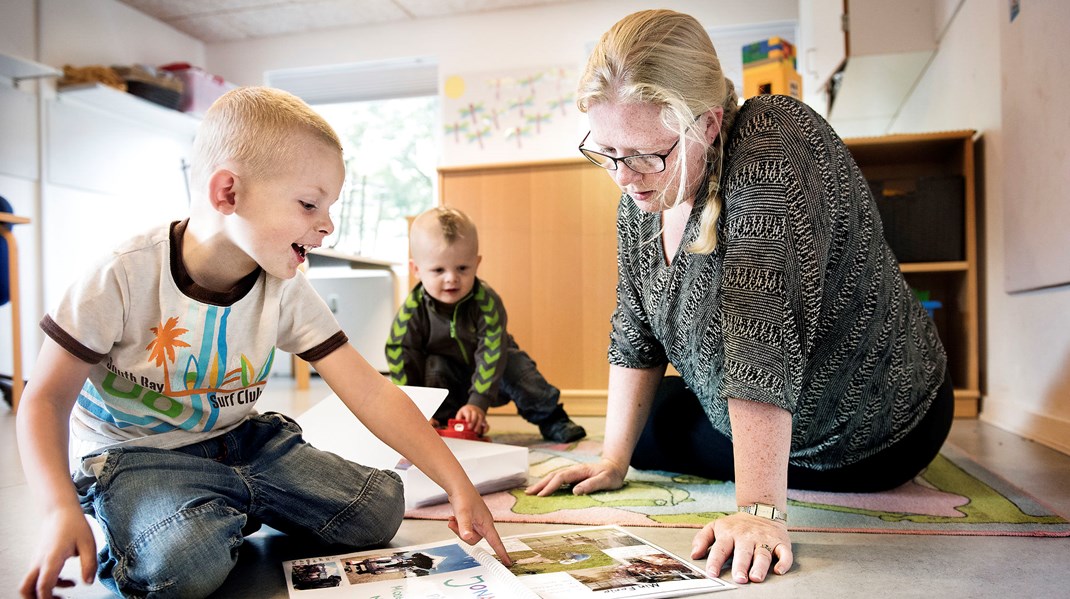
[[919, 267]]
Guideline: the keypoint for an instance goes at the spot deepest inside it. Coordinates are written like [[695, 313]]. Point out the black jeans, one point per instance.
[[678, 437], [536, 400]]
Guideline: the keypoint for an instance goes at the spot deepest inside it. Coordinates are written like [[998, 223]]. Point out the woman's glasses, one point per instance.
[[644, 164]]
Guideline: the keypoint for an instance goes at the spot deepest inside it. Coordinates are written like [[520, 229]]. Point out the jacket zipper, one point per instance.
[[453, 331]]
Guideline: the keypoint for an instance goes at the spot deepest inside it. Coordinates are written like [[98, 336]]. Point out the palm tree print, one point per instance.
[[162, 348]]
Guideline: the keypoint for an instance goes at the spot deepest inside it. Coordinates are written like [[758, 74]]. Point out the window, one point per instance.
[[390, 149], [387, 116]]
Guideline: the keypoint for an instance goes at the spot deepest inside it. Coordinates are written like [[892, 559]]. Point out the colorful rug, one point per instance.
[[954, 496]]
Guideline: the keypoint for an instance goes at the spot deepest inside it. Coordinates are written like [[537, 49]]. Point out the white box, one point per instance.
[[490, 466], [363, 303], [330, 426]]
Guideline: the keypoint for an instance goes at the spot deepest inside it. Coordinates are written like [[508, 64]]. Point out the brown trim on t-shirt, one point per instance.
[[73, 347], [191, 289], [324, 349]]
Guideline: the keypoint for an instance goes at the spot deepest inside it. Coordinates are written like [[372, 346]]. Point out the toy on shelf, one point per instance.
[[460, 429], [769, 68]]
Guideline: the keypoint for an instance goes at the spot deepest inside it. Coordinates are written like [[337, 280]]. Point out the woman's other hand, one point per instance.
[[754, 544], [584, 478]]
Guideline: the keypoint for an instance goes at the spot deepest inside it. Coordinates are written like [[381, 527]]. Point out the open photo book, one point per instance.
[[603, 561]]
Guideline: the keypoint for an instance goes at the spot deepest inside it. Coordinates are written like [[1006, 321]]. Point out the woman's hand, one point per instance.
[[584, 478], [471, 521], [754, 544]]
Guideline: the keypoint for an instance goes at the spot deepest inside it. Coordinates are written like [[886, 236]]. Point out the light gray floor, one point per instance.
[[827, 565]]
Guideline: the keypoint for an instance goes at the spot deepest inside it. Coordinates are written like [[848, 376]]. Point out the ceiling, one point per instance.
[[230, 20]]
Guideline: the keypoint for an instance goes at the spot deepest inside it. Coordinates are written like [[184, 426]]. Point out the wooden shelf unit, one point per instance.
[[954, 284]]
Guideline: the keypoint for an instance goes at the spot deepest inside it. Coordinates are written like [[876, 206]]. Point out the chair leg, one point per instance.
[[16, 333]]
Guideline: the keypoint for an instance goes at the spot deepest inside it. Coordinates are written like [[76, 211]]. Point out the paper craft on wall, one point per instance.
[[513, 116]]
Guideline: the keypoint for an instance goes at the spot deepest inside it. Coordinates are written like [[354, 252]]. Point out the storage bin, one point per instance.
[[201, 87], [154, 85], [923, 217]]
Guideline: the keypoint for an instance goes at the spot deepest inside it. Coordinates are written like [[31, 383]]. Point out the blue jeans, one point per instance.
[[174, 519]]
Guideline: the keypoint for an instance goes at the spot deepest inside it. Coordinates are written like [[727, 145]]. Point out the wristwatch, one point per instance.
[[764, 510]]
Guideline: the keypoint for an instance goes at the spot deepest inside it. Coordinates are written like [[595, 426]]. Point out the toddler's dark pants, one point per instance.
[[536, 400]]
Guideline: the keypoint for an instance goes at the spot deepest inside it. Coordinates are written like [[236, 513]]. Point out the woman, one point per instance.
[[751, 258]]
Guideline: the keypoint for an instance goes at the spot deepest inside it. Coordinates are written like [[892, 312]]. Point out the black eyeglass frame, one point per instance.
[[625, 159]]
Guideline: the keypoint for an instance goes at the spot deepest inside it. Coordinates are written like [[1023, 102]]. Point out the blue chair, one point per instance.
[[9, 291]]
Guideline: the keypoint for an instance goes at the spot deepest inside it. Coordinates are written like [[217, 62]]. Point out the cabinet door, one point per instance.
[[547, 234]]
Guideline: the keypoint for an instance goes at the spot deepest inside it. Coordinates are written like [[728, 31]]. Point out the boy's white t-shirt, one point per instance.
[[173, 363]]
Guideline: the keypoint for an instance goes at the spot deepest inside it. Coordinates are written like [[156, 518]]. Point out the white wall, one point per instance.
[[1026, 353], [103, 175], [18, 170], [509, 39]]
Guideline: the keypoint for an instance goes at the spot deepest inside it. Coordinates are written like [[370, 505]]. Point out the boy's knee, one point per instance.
[[189, 554], [374, 517]]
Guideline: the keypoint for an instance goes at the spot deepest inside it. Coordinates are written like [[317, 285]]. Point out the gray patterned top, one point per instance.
[[802, 304]]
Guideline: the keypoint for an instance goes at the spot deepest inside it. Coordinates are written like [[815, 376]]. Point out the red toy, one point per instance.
[[460, 429]]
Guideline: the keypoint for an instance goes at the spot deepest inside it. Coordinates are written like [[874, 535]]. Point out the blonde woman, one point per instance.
[[751, 258]]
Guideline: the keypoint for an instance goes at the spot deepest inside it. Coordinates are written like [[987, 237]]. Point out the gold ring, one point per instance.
[[767, 548]]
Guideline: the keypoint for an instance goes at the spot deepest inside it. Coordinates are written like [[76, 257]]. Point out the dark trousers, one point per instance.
[[678, 437], [536, 400]]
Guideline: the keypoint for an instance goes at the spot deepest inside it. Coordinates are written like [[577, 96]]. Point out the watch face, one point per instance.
[[765, 511]]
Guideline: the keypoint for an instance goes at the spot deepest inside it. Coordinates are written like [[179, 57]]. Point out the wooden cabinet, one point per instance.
[[953, 283], [547, 233]]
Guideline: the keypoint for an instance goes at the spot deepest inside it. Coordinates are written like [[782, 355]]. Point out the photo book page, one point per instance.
[[604, 561]]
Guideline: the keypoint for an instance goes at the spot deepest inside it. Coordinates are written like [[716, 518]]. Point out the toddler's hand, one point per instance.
[[475, 417]]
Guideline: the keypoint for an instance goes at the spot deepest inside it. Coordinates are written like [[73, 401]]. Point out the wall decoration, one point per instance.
[[516, 116]]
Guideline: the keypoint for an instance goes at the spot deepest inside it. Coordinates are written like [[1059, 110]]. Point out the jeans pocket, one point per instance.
[[280, 420], [101, 468]]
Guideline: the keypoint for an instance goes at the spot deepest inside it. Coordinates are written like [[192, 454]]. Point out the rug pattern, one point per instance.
[[954, 496]]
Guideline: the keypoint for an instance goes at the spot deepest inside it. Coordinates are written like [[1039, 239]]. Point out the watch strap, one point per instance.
[[765, 510]]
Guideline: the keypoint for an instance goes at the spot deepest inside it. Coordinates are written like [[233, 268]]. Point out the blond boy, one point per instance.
[[157, 356]]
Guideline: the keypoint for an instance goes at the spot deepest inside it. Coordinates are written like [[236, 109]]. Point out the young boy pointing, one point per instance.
[[156, 357]]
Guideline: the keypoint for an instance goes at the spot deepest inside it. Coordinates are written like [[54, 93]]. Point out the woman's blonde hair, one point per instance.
[[667, 58], [254, 127]]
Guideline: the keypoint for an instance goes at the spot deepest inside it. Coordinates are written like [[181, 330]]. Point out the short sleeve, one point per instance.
[[306, 323], [90, 318], [776, 242]]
